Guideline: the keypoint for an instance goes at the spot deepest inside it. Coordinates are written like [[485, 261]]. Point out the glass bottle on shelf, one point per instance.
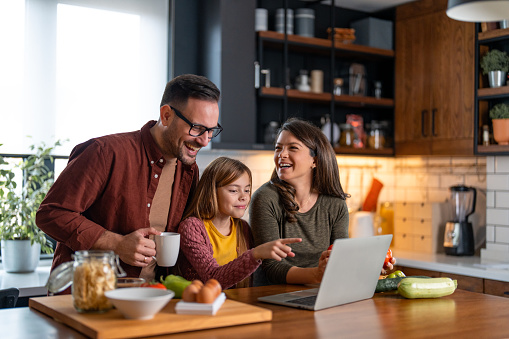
[[338, 86]]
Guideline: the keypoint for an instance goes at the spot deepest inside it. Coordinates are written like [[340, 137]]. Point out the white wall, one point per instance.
[[497, 219]]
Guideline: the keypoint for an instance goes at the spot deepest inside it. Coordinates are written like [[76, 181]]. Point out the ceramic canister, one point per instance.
[[305, 22], [280, 20], [261, 19], [317, 81]]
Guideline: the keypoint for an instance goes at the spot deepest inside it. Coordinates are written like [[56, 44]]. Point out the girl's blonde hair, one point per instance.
[[219, 173]]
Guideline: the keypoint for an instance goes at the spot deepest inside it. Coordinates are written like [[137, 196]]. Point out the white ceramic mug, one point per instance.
[[167, 248]]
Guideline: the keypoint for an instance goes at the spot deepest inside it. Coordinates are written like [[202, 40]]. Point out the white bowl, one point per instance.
[[139, 302]]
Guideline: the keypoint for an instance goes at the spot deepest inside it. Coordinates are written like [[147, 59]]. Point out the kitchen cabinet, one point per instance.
[[487, 97], [494, 287], [284, 55], [214, 38], [434, 110]]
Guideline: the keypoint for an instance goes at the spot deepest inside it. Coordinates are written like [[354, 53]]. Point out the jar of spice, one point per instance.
[[347, 135]]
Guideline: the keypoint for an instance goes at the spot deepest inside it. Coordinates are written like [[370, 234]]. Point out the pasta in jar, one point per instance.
[[94, 274]]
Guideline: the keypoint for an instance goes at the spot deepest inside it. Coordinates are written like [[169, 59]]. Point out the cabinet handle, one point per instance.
[[433, 111], [423, 113]]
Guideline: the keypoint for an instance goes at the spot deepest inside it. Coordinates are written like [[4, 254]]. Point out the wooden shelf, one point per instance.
[[492, 149], [325, 43], [491, 92], [364, 151], [493, 34], [294, 94]]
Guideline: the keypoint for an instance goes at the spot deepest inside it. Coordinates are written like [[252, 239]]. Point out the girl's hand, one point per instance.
[[276, 249]]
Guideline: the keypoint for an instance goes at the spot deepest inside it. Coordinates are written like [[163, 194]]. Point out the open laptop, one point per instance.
[[351, 275]]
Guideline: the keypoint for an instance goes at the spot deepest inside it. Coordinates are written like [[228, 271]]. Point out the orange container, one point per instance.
[[372, 197]]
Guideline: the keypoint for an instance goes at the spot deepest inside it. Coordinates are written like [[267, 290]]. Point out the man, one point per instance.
[[118, 191]]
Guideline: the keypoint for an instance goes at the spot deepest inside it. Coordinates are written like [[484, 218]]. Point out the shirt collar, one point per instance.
[[154, 154]]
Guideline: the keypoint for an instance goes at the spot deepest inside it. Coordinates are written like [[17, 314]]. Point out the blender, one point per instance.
[[459, 234]]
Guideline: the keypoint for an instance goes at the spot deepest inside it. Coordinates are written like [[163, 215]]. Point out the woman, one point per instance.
[[214, 240], [304, 199]]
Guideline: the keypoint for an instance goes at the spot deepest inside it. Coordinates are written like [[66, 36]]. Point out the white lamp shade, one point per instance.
[[478, 10]]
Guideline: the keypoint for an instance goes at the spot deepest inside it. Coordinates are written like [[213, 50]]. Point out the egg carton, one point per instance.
[[186, 307]]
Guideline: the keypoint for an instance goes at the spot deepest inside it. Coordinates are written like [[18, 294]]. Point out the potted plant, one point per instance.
[[21, 239], [495, 63], [499, 115]]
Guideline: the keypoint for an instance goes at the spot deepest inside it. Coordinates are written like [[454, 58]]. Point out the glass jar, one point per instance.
[[338, 86], [91, 274], [94, 274], [387, 218], [347, 135], [376, 137]]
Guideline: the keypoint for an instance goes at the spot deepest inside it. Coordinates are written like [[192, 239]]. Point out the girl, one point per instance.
[[215, 241]]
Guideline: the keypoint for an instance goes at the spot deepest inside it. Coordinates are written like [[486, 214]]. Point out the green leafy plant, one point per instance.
[[18, 205], [495, 60], [499, 111]]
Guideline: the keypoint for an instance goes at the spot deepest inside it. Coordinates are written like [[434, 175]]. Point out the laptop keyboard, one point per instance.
[[308, 301]]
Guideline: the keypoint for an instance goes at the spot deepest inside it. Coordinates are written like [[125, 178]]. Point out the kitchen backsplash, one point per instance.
[[497, 203], [413, 179]]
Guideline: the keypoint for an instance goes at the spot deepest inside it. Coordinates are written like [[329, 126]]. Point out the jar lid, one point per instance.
[[60, 278], [346, 126]]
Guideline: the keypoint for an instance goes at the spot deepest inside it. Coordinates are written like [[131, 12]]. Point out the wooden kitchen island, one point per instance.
[[462, 314]]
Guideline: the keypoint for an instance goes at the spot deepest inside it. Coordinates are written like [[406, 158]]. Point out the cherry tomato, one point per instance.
[[154, 285], [388, 258], [330, 247]]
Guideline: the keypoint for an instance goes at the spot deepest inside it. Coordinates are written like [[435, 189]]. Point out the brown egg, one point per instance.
[[190, 293], [207, 295], [197, 283], [215, 285]]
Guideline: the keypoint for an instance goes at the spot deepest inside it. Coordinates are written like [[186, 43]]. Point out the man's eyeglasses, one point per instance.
[[196, 130]]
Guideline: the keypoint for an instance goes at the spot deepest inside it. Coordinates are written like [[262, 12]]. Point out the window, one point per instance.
[[77, 69]]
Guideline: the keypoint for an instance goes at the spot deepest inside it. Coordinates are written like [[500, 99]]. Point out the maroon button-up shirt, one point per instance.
[[109, 184]]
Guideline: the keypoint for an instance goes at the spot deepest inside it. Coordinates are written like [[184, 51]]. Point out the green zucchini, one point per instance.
[[391, 284], [413, 288]]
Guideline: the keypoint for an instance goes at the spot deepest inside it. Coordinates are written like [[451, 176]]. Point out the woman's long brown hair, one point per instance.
[[325, 175], [219, 173]]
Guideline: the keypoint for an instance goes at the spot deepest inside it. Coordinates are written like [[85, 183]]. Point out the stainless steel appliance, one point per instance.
[[459, 234]]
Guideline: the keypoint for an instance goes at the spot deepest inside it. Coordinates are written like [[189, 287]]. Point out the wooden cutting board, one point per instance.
[[113, 325]]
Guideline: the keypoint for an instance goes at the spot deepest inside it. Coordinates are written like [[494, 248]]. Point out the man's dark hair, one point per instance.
[[186, 86]]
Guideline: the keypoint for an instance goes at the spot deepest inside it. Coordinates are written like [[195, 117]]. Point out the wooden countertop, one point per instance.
[[462, 314]]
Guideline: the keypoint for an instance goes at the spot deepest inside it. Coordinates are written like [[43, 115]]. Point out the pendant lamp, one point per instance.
[[478, 10]]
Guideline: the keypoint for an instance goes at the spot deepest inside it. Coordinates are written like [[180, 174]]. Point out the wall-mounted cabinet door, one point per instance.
[[434, 113], [452, 86], [413, 98]]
